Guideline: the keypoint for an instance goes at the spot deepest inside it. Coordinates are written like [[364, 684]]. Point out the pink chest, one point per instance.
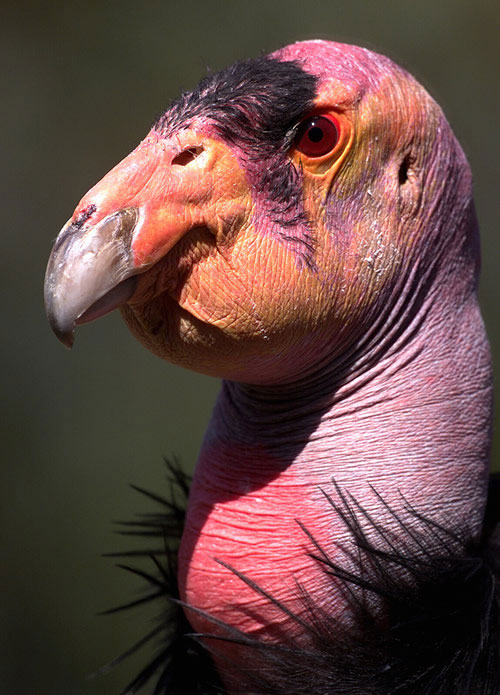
[[249, 522]]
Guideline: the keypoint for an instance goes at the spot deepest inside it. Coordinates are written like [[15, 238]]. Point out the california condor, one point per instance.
[[302, 226]]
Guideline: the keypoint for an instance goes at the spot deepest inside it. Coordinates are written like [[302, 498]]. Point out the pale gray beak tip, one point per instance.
[[64, 333]]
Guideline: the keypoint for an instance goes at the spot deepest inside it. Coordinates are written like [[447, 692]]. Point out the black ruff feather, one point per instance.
[[435, 630]]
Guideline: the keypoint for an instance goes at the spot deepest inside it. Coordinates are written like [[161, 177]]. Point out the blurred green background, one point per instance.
[[80, 84]]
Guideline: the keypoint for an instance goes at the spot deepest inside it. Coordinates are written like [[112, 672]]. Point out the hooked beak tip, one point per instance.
[[66, 338], [64, 333]]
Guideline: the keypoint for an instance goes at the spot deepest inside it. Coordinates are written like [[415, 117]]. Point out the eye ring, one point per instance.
[[317, 135]]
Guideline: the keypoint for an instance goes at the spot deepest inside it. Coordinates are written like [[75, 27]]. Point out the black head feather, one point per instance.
[[256, 105]]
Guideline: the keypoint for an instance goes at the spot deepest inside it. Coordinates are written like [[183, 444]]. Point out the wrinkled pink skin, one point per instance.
[[405, 407]]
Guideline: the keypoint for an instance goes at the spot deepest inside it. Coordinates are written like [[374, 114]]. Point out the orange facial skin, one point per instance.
[[211, 275], [242, 296], [221, 288]]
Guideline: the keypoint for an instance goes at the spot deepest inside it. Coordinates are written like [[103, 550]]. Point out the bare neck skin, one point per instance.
[[413, 424]]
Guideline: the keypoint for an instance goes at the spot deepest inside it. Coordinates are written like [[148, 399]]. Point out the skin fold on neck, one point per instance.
[[410, 428]]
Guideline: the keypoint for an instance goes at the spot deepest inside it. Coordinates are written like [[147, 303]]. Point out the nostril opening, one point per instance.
[[403, 170], [84, 215], [187, 156]]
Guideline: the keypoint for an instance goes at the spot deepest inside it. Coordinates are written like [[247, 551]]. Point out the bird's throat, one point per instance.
[[415, 430]]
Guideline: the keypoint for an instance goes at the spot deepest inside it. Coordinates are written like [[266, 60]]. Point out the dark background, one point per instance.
[[80, 84]]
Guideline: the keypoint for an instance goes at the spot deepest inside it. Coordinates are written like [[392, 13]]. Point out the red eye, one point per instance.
[[317, 135]]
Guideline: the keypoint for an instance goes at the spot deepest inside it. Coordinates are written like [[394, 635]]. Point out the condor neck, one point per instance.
[[415, 421], [410, 428]]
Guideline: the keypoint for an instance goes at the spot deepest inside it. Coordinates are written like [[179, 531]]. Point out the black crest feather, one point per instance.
[[257, 105]]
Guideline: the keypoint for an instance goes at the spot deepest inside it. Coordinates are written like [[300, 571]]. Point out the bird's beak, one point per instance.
[[122, 227], [90, 271]]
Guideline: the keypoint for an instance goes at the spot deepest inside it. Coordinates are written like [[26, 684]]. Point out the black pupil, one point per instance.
[[315, 134]]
